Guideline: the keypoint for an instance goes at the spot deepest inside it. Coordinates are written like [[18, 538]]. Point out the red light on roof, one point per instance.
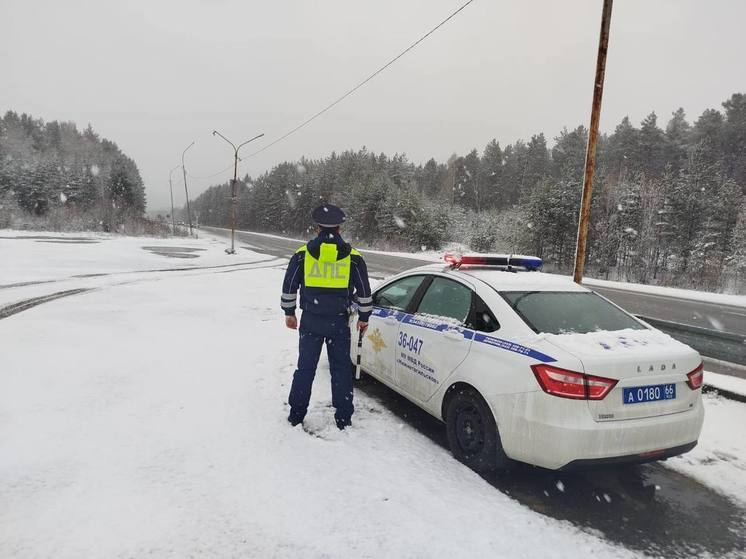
[[509, 261], [474, 260], [452, 258]]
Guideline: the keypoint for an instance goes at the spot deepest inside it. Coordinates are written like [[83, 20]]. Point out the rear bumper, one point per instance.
[[629, 459], [558, 433]]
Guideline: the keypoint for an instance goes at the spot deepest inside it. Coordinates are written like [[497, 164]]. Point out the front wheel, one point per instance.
[[472, 431]]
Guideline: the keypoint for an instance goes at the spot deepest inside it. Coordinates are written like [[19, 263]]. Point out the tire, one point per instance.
[[472, 432]]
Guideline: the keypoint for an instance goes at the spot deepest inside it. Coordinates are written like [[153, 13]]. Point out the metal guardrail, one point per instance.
[[710, 343]]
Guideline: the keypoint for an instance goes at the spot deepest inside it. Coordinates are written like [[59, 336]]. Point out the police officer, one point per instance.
[[330, 275]]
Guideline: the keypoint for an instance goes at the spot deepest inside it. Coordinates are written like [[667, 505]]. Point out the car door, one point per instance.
[[434, 340], [389, 306]]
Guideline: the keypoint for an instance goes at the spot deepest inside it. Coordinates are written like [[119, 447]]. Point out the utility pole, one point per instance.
[[183, 168], [590, 155], [171, 188], [232, 250]]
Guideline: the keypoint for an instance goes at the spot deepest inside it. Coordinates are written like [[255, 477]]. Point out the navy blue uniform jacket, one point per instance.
[[322, 300]]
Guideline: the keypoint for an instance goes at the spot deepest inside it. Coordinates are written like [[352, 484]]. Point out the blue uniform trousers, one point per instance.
[[316, 329]]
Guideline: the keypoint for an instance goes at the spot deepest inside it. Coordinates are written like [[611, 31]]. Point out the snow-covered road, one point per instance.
[[148, 418]]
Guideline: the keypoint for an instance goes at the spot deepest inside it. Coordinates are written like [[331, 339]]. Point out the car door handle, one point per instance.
[[453, 335], [390, 320]]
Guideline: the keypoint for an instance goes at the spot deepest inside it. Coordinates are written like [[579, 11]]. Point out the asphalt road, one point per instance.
[[378, 264], [683, 311], [714, 316]]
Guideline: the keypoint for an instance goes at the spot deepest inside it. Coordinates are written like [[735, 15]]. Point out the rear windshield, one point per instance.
[[562, 312]]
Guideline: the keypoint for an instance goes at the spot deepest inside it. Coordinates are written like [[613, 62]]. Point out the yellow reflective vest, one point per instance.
[[326, 271]]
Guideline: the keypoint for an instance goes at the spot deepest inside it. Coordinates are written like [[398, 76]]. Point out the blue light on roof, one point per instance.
[[531, 263]]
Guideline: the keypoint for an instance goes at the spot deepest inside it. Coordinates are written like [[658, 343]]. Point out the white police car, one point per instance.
[[532, 367]]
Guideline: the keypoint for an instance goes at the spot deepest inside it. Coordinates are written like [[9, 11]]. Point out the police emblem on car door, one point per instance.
[[389, 304], [432, 342]]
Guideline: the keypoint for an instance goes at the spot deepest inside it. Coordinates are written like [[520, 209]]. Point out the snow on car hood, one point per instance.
[[639, 342], [625, 353]]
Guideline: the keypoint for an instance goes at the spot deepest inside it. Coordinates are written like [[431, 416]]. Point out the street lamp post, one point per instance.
[[232, 250], [171, 188], [183, 168]]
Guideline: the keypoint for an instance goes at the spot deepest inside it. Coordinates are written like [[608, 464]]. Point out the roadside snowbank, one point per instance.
[[719, 460], [726, 382], [688, 294]]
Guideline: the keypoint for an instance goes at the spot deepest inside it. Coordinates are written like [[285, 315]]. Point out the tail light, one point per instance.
[[695, 378], [569, 384]]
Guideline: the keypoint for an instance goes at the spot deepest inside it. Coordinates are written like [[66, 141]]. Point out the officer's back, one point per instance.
[[330, 275]]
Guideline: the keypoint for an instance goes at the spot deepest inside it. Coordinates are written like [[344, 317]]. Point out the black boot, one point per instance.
[[294, 420], [343, 423]]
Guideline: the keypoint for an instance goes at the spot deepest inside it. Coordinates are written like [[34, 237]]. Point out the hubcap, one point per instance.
[[469, 429]]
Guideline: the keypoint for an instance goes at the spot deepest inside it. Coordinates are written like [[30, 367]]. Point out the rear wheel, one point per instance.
[[472, 432]]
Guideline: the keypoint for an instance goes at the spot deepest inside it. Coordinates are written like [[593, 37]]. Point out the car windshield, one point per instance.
[[562, 312]]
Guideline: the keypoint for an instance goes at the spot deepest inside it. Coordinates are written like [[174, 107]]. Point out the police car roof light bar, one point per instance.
[[452, 258], [530, 263]]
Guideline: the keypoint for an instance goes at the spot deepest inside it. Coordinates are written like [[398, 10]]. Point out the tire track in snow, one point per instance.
[[20, 306], [158, 270]]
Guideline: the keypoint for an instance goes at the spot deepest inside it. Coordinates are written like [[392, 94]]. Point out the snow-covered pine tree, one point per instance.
[[676, 140], [491, 176]]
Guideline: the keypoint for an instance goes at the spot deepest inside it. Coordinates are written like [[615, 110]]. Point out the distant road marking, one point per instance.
[[735, 313], [669, 297]]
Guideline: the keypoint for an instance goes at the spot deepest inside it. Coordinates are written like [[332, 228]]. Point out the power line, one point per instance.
[[345, 95], [362, 83], [228, 168]]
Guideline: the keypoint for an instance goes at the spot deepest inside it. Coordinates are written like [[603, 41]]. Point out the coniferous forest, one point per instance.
[[668, 203], [54, 176]]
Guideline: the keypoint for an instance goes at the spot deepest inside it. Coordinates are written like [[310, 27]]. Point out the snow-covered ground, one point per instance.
[[727, 383], [147, 417], [32, 257], [719, 460]]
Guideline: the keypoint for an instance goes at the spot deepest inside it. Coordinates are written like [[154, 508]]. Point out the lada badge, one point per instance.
[[655, 369]]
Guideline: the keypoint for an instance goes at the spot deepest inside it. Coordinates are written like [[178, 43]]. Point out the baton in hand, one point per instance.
[[359, 353]]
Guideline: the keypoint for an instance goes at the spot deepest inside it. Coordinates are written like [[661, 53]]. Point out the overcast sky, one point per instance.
[[154, 75]]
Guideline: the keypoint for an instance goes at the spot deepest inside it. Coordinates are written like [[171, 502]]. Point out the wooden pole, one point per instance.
[[590, 154]]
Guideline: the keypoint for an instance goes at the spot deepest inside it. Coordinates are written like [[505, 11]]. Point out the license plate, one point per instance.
[[653, 393]]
